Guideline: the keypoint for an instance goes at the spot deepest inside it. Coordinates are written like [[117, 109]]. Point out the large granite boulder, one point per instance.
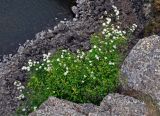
[[141, 69], [112, 105]]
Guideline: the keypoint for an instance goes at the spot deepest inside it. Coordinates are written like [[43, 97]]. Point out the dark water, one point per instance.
[[21, 19]]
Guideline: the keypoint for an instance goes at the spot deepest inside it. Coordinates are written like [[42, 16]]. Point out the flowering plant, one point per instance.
[[79, 77]]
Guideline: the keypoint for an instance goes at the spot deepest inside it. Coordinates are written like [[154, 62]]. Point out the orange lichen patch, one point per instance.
[[153, 27], [156, 5]]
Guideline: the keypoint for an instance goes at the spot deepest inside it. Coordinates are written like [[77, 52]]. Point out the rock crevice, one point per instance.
[[67, 34]]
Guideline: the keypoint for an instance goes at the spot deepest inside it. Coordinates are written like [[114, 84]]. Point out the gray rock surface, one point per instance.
[[55, 107], [67, 34], [112, 105], [141, 69], [120, 105]]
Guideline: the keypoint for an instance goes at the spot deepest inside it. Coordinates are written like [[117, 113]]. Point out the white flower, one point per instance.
[[111, 41], [15, 83], [81, 56], [114, 46], [78, 51], [28, 69], [22, 87], [85, 76], [20, 97], [104, 24], [105, 12], [134, 25], [90, 50], [64, 65], [97, 57], [24, 68], [82, 81], [64, 51], [117, 12], [111, 63], [113, 6], [29, 60], [49, 54], [23, 109], [34, 108], [65, 73], [109, 34], [44, 60], [45, 68], [34, 62], [58, 60], [104, 30], [118, 27], [30, 63], [94, 77], [48, 61], [108, 20], [124, 32], [40, 67], [94, 46], [114, 37], [44, 55], [62, 56]]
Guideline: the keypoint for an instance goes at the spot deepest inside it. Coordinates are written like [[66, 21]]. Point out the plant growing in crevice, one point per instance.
[[79, 77]]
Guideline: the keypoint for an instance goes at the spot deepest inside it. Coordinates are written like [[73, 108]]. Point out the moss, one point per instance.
[[153, 26], [156, 5]]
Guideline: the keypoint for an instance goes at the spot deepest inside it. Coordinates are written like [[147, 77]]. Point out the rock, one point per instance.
[[141, 69], [112, 105], [120, 105], [69, 34], [56, 107]]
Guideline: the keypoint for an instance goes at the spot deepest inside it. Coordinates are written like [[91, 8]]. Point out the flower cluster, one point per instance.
[[81, 76], [20, 88], [46, 65], [116, 11], [133, 28]]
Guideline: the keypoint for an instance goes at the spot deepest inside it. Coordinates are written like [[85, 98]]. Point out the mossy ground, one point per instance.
[[153, 26]]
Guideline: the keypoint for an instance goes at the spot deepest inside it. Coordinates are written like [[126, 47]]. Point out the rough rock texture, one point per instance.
[[120, 105], [112, 105], [141, 69], [56, 107], [69, 34]]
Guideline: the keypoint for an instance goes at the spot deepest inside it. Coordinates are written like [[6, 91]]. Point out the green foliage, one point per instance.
[[79, 77]]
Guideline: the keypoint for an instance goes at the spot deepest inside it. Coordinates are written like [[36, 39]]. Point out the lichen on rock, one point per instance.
[[141, 69], [112, 105]]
